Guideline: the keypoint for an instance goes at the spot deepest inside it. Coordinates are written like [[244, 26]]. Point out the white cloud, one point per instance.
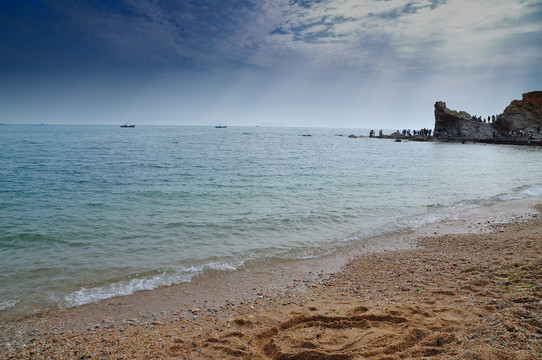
[[390, 35]]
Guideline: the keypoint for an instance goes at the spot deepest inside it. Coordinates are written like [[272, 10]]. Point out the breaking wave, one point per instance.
[[528, 192], [7, 304], [127, 287]]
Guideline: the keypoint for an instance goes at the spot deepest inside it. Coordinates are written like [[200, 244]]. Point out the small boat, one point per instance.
[[220, 126], [127, 126]]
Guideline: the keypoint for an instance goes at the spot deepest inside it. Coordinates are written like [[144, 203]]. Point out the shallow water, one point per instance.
[[91, 212]]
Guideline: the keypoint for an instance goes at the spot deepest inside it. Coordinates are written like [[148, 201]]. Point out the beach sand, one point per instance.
[[472, 293]]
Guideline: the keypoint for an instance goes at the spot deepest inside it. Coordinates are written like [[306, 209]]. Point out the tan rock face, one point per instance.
[[525, 114]]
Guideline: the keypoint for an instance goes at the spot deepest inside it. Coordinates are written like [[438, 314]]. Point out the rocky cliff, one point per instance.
[[459, 124], [525, 114]]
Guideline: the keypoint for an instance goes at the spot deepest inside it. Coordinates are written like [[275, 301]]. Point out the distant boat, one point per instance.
[[220, 126], [127, 126]]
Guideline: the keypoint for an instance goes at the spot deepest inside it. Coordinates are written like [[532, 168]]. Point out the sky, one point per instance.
[[306, 63]]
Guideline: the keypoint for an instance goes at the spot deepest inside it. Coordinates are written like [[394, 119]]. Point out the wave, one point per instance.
[[127, 287], [4, 304], [453, 212], [523, 193], [434, 216]]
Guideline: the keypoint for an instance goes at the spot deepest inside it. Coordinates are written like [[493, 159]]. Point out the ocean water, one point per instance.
[[92, 212]]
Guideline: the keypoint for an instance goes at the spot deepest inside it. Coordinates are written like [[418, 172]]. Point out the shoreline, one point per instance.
[[273, 273], [330, 289]]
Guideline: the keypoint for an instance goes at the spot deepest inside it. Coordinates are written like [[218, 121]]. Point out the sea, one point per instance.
[[94, 212]]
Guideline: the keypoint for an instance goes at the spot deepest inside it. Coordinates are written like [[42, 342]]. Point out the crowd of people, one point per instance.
[[490, 118], [429, 132], [514, 134], [406, 133], [422, 132]]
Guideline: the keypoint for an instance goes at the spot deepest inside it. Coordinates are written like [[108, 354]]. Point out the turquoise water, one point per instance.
[[92, 212]]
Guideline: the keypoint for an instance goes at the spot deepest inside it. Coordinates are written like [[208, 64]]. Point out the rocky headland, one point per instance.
[[521, 121], [519, 124]]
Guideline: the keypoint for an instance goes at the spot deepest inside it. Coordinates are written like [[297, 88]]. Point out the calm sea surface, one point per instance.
[[92, 212]]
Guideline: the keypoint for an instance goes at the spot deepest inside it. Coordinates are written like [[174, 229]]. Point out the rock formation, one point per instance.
[[525, 114], [454, 124]]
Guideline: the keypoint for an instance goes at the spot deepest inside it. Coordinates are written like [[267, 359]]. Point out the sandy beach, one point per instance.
[[471, 293]]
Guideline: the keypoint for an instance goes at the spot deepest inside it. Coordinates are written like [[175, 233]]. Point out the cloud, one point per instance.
[[387, 35], [284, 58]]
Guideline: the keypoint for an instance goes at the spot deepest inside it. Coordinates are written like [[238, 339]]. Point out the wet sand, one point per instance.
[[470, 288]]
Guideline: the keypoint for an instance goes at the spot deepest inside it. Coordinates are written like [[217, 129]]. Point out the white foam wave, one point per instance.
[[7, 304], [127, 287], [433, 217], [532, 191]]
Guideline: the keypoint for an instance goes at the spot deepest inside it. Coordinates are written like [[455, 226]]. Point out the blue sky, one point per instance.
[[325, 63]]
